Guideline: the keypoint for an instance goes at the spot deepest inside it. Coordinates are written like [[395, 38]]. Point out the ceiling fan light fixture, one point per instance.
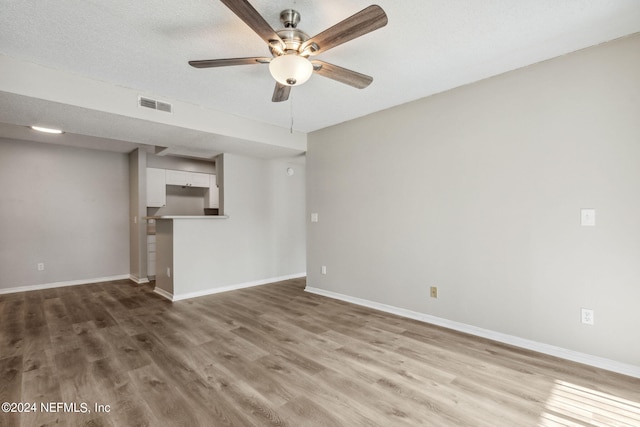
[[291, 69]]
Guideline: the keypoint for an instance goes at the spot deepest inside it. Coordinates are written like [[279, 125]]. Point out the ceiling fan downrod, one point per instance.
[[290, 18]]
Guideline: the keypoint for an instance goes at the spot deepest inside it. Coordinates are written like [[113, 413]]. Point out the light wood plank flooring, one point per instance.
[[275, 355]]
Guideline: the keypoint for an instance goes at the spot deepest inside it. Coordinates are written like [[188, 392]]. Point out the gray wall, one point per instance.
[[137, 211], [263, 238], [181, 201], [266, 209], [265, 234], [65, 207], [478, 191], [181, 163]]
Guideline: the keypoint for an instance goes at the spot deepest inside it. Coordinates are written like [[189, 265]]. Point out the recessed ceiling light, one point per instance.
[[46, 130]]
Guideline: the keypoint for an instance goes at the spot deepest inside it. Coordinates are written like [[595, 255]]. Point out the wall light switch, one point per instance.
[[587, 217], [314, 217], [434, 292]]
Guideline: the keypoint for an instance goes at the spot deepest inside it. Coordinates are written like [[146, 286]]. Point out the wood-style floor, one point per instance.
[[275, 355]]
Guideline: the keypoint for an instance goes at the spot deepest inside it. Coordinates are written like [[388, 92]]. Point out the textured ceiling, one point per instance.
[[429, 46]]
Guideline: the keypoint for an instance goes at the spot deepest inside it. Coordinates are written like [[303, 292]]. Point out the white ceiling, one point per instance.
[[428, 46]]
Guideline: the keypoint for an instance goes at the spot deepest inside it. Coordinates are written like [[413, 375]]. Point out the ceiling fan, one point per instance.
[[291, 48]]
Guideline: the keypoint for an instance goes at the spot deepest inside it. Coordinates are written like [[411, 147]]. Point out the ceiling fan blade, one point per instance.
[[281, 93], [209, 63], [363, 22], [254, 20], [342, 75]]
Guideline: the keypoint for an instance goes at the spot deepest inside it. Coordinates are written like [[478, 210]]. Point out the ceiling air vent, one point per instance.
[[153, 104], [163, 106]]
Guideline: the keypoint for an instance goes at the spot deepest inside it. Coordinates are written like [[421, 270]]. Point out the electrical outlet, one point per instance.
[[587, 316], [41, 266], [434, 292], [168, 272], [323, 269], [314, 217], [588, 217]]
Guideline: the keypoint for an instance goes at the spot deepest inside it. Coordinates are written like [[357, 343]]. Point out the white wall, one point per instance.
[[478, 191], [65, 207], [263, 238]]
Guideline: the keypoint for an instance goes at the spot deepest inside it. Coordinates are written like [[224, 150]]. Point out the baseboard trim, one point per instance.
[[138, 280], [63, 284], [163, 293], [179, 297], [563, 353]]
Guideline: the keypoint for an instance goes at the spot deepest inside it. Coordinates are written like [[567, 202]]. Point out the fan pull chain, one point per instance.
[[291, 111]]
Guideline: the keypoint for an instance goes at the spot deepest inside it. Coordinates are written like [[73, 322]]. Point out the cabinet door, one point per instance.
[[187, 179], [199, 179], [156, 188], [212, 197], [177, 178]]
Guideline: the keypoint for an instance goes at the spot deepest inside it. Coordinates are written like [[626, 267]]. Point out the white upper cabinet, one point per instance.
[[156, 188], [187, 179], [199, 179]]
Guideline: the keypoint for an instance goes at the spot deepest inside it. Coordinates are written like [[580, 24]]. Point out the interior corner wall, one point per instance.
[[64, 207], [478, 191]]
